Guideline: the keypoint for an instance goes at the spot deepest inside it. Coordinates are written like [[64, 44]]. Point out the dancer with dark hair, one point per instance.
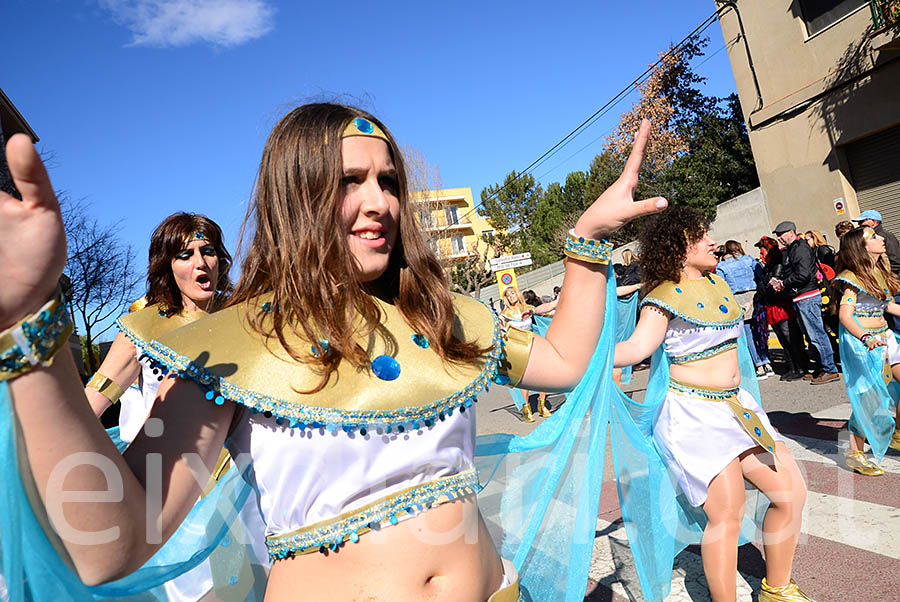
[[710, 429], [186, 278], [343, 370], [870, 352]]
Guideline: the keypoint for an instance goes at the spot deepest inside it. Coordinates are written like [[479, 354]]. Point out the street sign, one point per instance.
[[505, 278], [511, 264], [839, 206], [509, 261]]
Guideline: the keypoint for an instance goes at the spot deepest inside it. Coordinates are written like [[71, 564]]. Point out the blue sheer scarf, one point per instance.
[[658, 519], [626, 319], [539, 326], [872, 400], [34, 570], [540, 500]]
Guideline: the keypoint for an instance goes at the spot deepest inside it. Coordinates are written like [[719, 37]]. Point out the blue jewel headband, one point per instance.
[[361, 126]]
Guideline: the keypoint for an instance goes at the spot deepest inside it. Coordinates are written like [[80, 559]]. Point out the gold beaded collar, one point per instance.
[[707, 301], [144, 325], [851, 278], [408, 385]]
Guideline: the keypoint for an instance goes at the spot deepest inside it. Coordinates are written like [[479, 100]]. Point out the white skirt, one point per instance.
[[698, 438]]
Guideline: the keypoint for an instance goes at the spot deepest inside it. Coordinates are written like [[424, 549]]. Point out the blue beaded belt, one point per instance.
[[702, 355], [877, 330], [332, 533], [868, 313], [709, 393]]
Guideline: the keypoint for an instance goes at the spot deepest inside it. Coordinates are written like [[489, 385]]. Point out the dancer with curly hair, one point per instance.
[[711, 431], [870, 353]]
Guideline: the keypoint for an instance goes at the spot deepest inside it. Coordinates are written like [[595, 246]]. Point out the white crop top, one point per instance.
[[685, 342], [138, 401], [705, 319], [303, 477], [369, 449]]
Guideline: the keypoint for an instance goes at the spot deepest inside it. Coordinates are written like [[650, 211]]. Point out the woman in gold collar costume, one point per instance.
[[710, 430], [342, 354], [187, 276], [870, 353]]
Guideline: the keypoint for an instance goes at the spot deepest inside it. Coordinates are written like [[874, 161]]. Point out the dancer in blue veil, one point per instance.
[[870, 353], [706, 424], [343, 372]]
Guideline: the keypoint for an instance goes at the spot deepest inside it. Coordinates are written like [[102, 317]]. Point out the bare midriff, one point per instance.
[[872, 322], [443, 554], [720, 371]]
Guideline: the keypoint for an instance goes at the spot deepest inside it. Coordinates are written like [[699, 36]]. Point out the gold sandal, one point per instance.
[[858, 462], [785, 593]]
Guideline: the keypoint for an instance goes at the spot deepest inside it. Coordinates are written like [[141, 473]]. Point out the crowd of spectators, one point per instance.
[[785, 291]]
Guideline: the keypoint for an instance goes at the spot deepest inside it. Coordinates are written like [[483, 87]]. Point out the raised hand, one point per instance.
[[616, 206], [32, 238]]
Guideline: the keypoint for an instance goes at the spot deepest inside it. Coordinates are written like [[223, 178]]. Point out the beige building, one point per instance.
[[819, 83], [449, 217]]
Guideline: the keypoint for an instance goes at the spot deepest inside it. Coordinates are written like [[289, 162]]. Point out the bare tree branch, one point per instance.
[[101, 273]]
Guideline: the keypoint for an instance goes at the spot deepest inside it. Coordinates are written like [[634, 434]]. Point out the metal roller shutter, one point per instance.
[[875, 171]]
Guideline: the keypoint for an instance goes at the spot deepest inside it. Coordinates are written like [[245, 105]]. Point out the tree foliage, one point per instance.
[[510, 208], [698, 155], [101, 274], [472, 273]]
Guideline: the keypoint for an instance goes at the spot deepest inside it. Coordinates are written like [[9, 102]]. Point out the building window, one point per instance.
[[819, 14], [426, 218], [452, 216], [458, 244], [487, 235]]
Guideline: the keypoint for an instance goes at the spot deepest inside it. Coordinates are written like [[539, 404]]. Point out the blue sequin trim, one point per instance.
[[298, 415], [142, 347], [334, 534], [868, 313], [708, 394], [702, 355], [704, 323]]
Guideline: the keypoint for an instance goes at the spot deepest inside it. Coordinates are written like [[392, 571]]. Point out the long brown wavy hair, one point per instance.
[[663, 242], [167, 241], [853, 256], [299, 252]]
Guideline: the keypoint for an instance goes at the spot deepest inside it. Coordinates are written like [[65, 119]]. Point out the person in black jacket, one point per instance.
[[779, 310], [799, 281], [632, 272]]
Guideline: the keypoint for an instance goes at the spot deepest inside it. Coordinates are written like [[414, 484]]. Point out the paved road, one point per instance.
[[850, 544]]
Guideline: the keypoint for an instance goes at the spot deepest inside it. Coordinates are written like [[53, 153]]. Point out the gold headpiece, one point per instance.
[[361, 126], [868, 233]]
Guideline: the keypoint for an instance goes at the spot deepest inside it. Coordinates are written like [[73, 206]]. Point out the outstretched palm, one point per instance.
[[32, 238], [616, 206]]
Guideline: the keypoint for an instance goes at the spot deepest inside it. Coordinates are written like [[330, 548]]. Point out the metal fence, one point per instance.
[[885, 13]]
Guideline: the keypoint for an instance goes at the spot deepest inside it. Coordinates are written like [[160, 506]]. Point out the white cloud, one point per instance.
[[168, 23]]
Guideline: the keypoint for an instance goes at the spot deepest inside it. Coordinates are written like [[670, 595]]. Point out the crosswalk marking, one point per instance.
[[864, 525], [829, 519]]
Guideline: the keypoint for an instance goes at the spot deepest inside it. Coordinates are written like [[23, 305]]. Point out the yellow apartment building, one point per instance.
[[449, 217]]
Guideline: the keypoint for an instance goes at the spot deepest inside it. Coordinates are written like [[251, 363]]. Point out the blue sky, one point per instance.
[[156, 106]]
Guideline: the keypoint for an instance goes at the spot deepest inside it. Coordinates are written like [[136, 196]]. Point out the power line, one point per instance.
[[590, 120], [605, 133]]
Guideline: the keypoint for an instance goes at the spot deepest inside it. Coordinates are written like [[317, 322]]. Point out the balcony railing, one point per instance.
[[885, 14], [442, 223]]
